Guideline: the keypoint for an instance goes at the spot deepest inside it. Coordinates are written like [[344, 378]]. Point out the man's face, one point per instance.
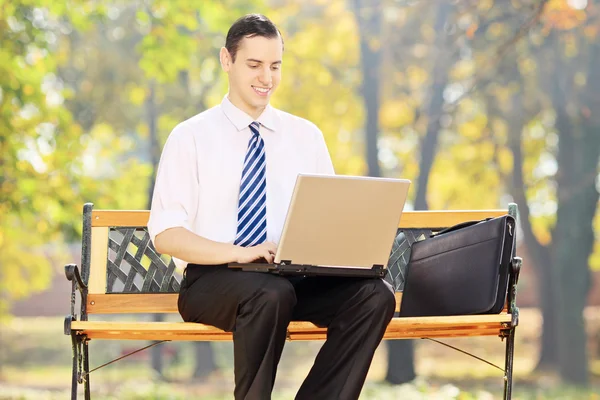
[[255, 74]]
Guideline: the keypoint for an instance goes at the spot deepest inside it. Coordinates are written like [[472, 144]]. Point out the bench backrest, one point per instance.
[[118, 257]]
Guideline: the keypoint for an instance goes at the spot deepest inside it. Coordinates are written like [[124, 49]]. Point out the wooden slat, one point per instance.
[[410, 219], [399, 328], [398, 300], [291, 337], [444, 219], [124, 218], [134, 303], [159, 336], [409, 335], [448, 321], [97, 282], [397, 324]]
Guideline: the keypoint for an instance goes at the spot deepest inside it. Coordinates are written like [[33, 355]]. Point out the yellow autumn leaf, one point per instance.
[[137, 95], [395, 114]]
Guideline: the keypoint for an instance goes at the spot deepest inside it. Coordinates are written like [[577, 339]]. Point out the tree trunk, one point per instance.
[[573, 241], [439, 75], [548, 358], [541, 259], [401, 367], [205, 360], [369, 27], [539, 253], [400, 352], [578, 156], [152, 115]]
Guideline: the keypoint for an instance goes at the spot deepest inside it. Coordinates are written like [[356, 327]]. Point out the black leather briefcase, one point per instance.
[[461, 270]]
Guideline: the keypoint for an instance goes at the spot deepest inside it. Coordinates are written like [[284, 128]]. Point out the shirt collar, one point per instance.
[[269, 118]]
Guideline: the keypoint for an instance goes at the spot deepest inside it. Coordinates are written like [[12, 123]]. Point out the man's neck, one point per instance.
[[253, 112]]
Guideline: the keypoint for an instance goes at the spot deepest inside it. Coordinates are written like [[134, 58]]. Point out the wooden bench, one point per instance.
[[121, 273]]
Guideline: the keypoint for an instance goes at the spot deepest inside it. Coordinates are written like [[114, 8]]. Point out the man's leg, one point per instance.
[[356, 313], [256, 307]]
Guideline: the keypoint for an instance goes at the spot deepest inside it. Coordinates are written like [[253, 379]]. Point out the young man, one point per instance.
[[224, 183]]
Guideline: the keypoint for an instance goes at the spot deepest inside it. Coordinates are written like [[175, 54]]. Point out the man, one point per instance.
[[224, 183]]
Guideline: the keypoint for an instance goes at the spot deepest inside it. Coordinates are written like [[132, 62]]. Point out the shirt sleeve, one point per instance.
[[175, 196], [324, 164]]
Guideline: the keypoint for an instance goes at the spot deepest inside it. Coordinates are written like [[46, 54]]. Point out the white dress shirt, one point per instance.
[[198, 179]]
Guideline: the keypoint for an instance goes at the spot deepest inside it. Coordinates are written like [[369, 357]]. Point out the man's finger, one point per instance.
[[269, 257]]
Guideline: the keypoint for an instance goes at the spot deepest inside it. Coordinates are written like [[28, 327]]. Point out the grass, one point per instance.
[[35, 363], [420, 390]]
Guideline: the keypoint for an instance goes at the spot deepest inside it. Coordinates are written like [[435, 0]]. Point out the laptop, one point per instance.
[[338, 225]]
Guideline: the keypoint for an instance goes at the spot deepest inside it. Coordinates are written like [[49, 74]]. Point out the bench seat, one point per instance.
[[142, 303], [399, 328]]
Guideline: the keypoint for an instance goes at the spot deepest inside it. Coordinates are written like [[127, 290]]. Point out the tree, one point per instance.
[[560, 51], [369, 21], [577, 157], [39, 179]]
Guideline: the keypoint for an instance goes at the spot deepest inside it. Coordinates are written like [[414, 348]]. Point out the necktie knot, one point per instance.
[[254, 127]]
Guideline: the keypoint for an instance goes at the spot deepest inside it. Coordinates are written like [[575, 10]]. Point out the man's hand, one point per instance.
[[264, 250]]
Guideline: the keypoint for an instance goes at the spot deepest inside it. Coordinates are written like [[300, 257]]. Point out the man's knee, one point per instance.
[[380, 298], [388, 296], [278, 295]]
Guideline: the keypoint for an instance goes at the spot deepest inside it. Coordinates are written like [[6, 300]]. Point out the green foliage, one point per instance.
[[73, 119], [37, 137]]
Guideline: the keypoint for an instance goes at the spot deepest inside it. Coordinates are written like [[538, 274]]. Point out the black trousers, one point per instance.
[[257, 308]]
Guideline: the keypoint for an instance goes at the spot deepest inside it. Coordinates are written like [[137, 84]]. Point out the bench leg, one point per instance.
[[86, 370], [74, 345], [508, 366], [81, 366]]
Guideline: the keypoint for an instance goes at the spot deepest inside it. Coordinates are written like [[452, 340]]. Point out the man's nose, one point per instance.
[[265, 76]]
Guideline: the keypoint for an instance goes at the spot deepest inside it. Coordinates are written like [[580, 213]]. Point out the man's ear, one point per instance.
[[225, 59]]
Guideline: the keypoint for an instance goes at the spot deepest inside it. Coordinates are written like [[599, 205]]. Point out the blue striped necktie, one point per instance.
[[252, 206]]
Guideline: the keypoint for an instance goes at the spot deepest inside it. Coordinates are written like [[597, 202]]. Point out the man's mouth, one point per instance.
[[261, 91]]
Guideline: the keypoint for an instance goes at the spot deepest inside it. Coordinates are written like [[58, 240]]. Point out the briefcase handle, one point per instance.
[[459, 226]]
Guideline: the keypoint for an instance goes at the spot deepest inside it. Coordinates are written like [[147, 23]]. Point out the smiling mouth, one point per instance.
[[261, 91]]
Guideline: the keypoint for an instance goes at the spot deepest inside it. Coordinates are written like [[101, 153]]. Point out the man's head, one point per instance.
[[252, 59]]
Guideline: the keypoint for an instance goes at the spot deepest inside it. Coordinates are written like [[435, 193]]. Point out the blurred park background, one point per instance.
[[478, 102]]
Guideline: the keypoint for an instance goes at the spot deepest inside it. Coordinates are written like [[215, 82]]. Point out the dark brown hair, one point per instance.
[[249, 26]]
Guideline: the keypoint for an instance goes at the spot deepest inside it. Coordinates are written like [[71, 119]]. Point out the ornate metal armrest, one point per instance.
[[516, 268], [512, 290], [73, 275], [71, 271]]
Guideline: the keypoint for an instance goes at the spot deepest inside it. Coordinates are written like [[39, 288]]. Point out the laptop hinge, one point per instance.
[[377, 267], [286, 262]]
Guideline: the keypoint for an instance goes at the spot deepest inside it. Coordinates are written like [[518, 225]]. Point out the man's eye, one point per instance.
[[275, 67], [253, 66]]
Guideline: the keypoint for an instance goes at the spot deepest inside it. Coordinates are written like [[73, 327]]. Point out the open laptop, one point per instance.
[[338, 226]]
